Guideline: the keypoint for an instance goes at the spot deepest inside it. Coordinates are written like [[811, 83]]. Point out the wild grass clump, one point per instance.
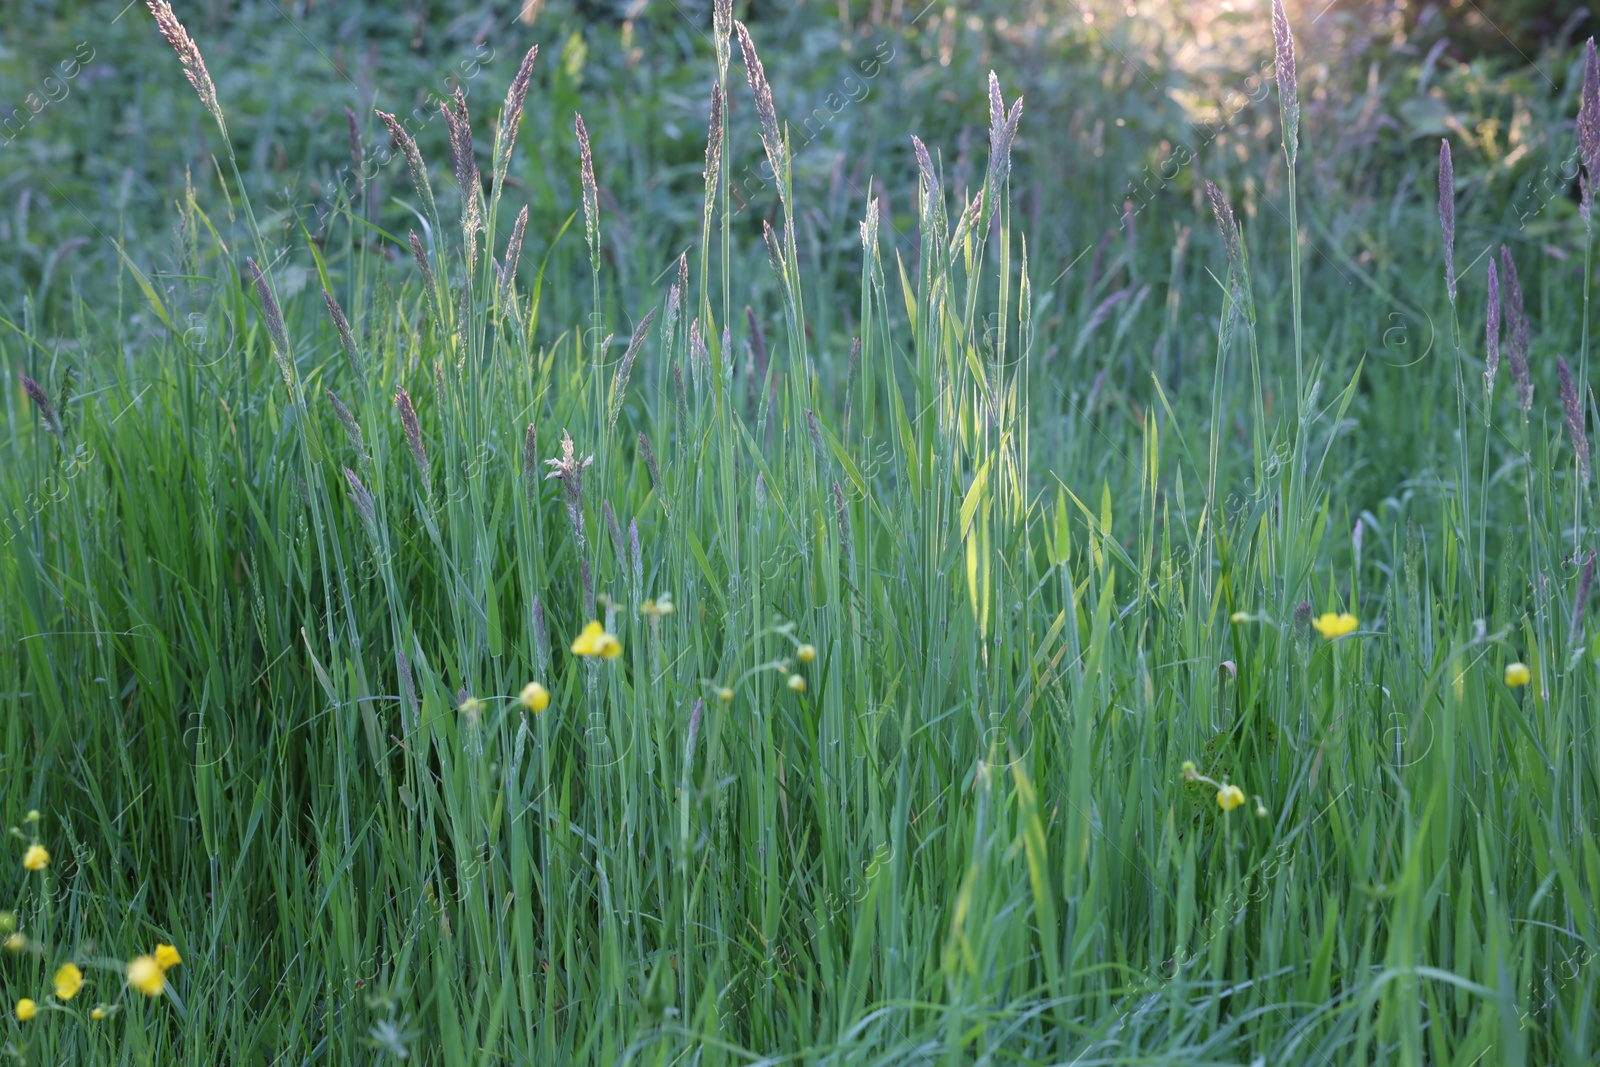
[[439, 682]]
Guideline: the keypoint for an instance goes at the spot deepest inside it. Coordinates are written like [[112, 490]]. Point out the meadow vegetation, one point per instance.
[[865, 535]]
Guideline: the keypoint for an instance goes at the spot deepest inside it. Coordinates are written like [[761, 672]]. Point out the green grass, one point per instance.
[[264, 688]]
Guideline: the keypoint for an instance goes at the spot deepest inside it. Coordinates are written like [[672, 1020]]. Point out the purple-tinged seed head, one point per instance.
[[413, 431], [414, 163], [843, 512], [356, 153], [694, 732], [766, 111], [194, 66], [530, 464], [637, 553], [41, 400], [1491, 331], [591, 193], [361, 499], [347, 338], [1572, 408], [1581, 604], [1516, 320], [541, 637], [1589, 129], [1447, 217], [1288, 89], [618, 546], [619, 381], [713, 169], [508, 277], [650, 465]]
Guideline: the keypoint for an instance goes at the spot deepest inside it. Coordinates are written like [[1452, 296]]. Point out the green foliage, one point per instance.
[[274, 587]]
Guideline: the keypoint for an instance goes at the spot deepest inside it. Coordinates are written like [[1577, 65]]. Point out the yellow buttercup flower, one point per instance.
[[471, 707], [1229, 797], [100, 1012], [659, 607], [146, 976], [68, 981], [595, 640], [36, 858], [167, 956], [807, 653], [16, 942], [535, 697], [1518, 675], [725, 695], [1331, 626], [26, 1009], [797, 683]]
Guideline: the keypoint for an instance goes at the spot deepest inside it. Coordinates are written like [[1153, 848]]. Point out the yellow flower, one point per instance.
[[470, 707], [146, 976], [1330, 625], [1239, 618], [32, 816], [167, 956], [658, 608], [1229, 797], [797, 683], [98, 1013], [807, 653], [1518, 675], [16, 943], [535, 697], [68, 981], [36, 858], [725, 695], [597, 641], [26, 1009]]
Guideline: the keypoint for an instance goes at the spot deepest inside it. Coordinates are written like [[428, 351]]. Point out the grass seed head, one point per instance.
[[1447, 216], [194, 65], [1572, 408], [1288, 89]]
